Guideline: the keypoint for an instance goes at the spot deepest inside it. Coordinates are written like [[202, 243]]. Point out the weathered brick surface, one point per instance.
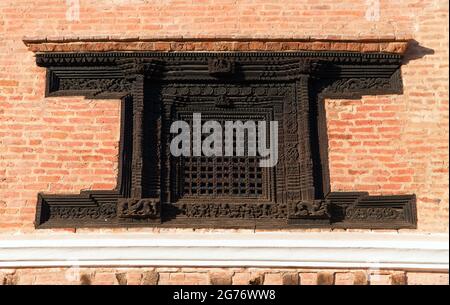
[[360, 278], [417, 278], [399, 278], [241, 278], [382, 144], [290, 279], [308, 278], [225, 276], [221, 278], [149, 278], [380, 278], [325, 278], [344, 278], [273, 279]]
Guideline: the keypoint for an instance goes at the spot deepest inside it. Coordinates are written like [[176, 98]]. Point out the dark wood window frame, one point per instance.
[[151, 85]]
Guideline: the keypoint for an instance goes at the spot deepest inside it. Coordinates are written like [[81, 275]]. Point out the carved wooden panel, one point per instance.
[[155, 188]]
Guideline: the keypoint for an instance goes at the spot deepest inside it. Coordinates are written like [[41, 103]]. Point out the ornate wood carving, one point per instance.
[[220, 66], [138, 208], [157, 189]]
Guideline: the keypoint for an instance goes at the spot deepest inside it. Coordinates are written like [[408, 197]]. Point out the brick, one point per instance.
[[360, 278], [325, 278], [399, 278], [273, 279], [8, 279], [196, 278], [221, 278], [380, 279], [291, 279], [85, 279], [103, 278], [8, 83], [417, 278], [257, 279], [164, 278], [150, 278], [344, 278], [307, 278], [241, 278]]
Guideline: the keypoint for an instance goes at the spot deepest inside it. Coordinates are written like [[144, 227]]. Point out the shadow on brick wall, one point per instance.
[[415, 51]]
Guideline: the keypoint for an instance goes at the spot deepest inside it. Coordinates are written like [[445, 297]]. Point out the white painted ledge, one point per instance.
[[280, 249]]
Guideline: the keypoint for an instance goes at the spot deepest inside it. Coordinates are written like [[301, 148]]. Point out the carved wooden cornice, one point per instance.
[[157, 87], [368, 44]]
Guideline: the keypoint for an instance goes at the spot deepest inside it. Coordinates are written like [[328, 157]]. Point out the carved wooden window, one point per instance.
[[156, 189]]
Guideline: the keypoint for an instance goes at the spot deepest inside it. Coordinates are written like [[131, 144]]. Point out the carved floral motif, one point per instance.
[[104, 211], [310, 209], [381, 213], [98, 85], [138, 208], [226, 210], [220, 66]]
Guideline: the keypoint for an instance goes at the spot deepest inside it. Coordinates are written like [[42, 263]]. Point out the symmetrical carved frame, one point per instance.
[[286, 86]]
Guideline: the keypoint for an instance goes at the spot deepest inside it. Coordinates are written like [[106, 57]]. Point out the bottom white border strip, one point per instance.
[[309, 250]]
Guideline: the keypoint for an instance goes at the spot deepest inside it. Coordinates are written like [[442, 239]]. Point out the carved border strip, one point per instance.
[[347, 210]]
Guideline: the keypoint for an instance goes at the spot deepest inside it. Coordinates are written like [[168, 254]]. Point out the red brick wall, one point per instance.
[[386, 144], [217, 276]]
